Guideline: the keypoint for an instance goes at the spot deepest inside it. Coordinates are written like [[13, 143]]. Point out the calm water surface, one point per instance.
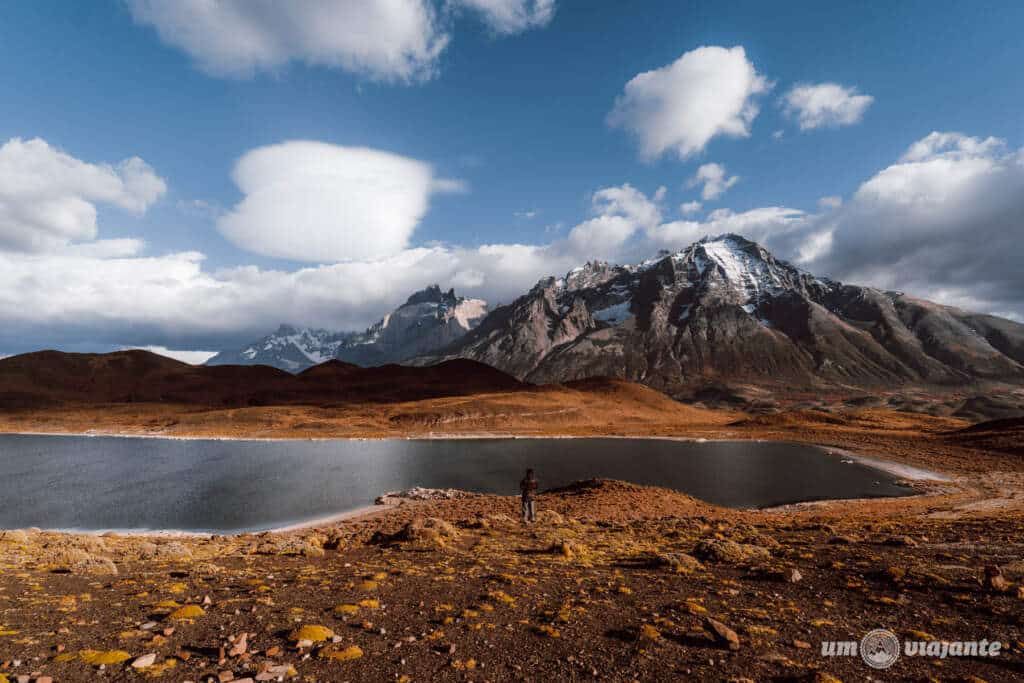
[[98, 483]]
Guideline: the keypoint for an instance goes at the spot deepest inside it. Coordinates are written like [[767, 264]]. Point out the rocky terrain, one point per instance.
[[429, 320], [615, 582], [725, 315]]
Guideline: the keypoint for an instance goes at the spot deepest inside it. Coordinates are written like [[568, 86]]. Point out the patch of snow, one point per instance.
[[249, 353]]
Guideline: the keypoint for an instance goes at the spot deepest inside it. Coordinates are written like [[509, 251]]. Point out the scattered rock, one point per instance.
[[720, 550], [678, 562], [423, 534], [419, 493], [900, 541], [846, 539], [550, 517], [994, 579], [722, 634], [144, 661]]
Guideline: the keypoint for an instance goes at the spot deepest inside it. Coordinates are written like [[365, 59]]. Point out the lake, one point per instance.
[[111, 483]]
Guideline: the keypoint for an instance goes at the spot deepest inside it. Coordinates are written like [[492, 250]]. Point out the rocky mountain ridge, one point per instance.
[[725, 309], [430, 319]]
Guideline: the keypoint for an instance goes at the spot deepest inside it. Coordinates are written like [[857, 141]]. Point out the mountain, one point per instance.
[[429, 320], [54, 378], [725, 310]]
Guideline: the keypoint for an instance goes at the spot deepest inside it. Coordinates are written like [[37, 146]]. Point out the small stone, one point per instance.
[[240, 645], [901, 541], [792, 575], [273, 651], [722, 634], [994, 579], [225, 676], [842, 540], [144, 661]]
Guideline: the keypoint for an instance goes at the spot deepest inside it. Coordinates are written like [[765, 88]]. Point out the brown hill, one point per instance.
[[53, 378]]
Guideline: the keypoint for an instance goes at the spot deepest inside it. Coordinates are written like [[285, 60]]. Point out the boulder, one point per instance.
[[722, 550]]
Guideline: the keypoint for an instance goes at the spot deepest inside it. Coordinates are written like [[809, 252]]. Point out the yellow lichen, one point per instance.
[[649, 632], [346, 609], [103, 657], [311, 632], [187, 612], [369, 603], [349, 653]]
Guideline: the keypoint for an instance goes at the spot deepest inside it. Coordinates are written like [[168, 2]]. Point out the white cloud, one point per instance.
[[48, 198], [825, 105], [942, 222], [512, 16], [688, 208], [709, 91], [620, 212], [953, 146], [312, 201], [190, 357], [387, 40], [757, 224], [830, 202], [714, 179]]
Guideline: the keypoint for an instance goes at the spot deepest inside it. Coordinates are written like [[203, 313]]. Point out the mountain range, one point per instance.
[[723, 312], [430, 319]]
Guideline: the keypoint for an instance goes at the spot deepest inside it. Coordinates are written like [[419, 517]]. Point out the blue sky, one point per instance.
[[514, 112]]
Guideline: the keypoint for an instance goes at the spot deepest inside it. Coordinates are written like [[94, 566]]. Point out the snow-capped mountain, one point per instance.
[[431, 319], [724, 308]]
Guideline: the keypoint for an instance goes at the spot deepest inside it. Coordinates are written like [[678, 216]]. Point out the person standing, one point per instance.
[[528, 488]]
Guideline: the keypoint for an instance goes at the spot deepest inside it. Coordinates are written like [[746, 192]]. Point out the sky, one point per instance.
[[185, 176]]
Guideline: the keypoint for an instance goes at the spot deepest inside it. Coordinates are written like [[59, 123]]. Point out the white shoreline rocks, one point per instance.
[[419, 493]]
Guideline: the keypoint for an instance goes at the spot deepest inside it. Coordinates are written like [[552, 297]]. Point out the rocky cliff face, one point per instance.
[[429, 320], [725, 309]]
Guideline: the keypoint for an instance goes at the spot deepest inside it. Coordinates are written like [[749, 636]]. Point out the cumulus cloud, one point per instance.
[[825, 105], [830, 202], [385, 40], [48, 198], [757, 224], [619, 213], [942, 222], [688, 208], [512, 16], [389, 40], [313, 201], [707, 92], [714, 179]]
